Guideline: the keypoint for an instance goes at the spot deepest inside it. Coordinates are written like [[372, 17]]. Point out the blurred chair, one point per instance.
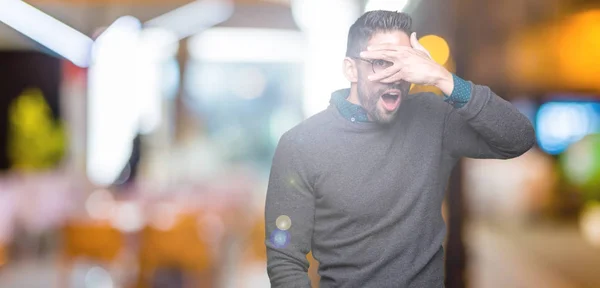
[[251, 269], [90, 240], [313, 270], [3, 256], [95, 240], [179, 247], [256, 251]]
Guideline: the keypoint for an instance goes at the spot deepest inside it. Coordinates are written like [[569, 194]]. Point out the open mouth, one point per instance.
[[391, 100]]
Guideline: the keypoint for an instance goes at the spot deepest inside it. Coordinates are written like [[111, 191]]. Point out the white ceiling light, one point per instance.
[[390, 5], [42, 28], [325, 24], [248, 45], [194, 17], [113, 109]]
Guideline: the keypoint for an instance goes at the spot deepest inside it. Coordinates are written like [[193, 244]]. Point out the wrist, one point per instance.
[[445, 82]]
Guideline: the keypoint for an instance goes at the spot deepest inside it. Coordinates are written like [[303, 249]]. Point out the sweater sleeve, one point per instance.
[[487, 126], [289, 217]]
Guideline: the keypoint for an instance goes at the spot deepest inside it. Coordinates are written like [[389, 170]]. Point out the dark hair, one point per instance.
[[372, 22]]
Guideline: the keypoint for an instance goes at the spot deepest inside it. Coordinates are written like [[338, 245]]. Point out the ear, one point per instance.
[[350, 71]]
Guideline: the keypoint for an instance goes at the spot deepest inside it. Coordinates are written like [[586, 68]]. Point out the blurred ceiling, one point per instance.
[[83, 17], [89, 15], [485, 37]]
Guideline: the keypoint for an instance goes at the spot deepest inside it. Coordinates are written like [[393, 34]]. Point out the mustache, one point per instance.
[[401, 87]]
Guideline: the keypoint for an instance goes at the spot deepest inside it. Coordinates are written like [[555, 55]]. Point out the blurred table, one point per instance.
[[552, 255]]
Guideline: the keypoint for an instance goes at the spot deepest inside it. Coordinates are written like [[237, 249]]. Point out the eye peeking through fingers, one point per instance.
[[380, 65]]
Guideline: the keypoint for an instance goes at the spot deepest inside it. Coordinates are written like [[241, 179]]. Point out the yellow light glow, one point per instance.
[[578, 50], [558, 55], [437, 47]]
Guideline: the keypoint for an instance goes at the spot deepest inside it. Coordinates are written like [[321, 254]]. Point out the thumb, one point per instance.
[[414, 42]]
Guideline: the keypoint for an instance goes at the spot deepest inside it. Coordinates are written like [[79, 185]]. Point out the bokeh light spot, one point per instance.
[[283, 222], [97, 277], [437, 47], [128, 217], [390, 5], [250, 83], [100, 204], [280, 238], [590, 223]]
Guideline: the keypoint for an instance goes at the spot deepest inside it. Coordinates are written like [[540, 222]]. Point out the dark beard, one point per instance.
[[368, 103], [369, 100]]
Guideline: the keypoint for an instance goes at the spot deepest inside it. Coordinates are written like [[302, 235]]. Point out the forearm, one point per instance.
[[286, 271], [505, 131], [287, 265]]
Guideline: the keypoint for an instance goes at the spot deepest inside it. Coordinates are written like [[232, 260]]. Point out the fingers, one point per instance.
[[414, 42], [385, 46], [394, 78], [398, 58], [395, 69], [405, 59], [380, 54], [389, 75], [394, 51], [395, 48]]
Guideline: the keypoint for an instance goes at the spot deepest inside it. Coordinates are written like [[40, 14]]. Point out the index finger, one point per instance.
[[381, 54], [387, 73]]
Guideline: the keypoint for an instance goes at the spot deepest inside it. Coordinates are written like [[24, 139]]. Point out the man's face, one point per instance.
[[381, 100]]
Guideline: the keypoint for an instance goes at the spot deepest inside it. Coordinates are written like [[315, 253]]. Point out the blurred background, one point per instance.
[[136, 136]]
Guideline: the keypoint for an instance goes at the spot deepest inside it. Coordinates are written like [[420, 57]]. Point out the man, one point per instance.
[[361, 184]]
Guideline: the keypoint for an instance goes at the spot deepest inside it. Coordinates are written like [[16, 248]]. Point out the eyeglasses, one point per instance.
[[377, 65]]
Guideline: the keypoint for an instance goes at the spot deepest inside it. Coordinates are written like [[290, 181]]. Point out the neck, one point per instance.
[[353, 97]]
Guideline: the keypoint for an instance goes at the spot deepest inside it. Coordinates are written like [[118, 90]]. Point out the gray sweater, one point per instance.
[[366, 199]]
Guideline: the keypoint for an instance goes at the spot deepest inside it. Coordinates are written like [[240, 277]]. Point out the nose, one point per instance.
[[399, 84]]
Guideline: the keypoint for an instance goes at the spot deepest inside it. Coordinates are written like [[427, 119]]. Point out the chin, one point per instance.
[[386, 117]]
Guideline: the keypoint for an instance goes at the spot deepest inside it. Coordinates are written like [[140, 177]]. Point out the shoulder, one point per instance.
[[308, 130], [429, 99], [427, 103], [301, 144]]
